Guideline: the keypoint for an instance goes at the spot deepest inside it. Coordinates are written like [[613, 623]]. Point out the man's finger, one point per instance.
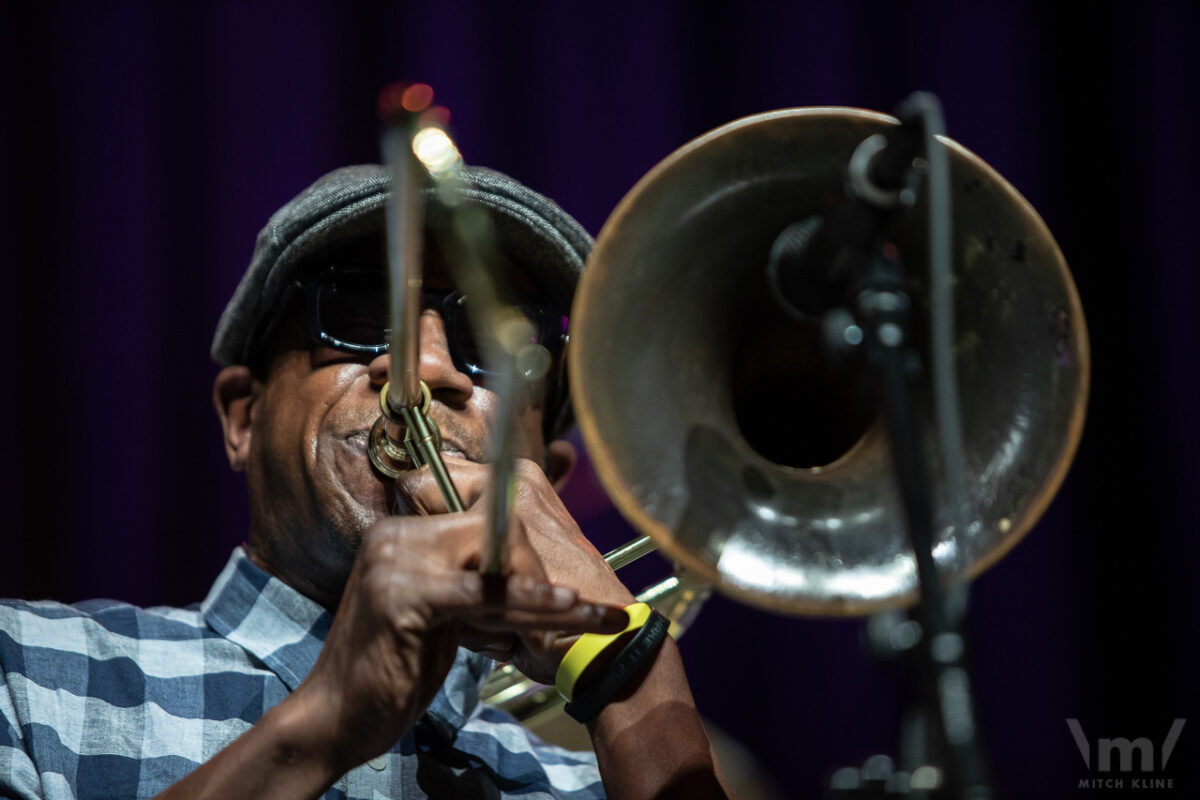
[[585, 618], [421, 494], [526, 604]]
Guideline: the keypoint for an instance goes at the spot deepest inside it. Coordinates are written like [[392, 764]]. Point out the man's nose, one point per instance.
[[436, 368]]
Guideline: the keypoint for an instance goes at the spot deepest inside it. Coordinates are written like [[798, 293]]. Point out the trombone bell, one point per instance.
[[722, 430]]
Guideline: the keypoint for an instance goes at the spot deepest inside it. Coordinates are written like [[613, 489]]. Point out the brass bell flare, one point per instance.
[[723, 429]]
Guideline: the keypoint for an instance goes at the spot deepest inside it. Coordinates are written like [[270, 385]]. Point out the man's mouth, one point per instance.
[[358, 440]]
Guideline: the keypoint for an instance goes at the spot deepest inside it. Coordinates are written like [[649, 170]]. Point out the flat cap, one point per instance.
[[542, 242]]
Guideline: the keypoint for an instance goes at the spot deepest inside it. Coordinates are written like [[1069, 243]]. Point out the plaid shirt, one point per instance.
[[104, 699]]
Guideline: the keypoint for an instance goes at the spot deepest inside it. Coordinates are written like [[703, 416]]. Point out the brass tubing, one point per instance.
[[470, 244], [495, 554], [630, 551], [406, 398], [404, 244], [423, 441]]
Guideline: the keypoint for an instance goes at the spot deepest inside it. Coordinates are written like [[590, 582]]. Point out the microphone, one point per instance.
[[799, 281], [813, 262]]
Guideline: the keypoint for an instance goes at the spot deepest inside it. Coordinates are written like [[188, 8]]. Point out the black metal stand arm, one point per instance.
[[883, 311], [881, 177]]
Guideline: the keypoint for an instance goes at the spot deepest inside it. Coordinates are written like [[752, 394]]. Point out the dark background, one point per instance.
[[143, 144]]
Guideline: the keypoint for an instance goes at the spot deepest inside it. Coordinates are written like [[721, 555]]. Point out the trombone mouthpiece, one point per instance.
[[390, 444]]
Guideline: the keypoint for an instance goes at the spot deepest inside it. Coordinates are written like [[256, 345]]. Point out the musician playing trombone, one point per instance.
[[341, 651]]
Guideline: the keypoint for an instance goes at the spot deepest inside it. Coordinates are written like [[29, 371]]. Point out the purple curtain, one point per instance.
[[144, 143]]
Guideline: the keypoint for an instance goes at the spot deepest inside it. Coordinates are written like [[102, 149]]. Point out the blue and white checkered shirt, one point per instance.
[[104, 699]]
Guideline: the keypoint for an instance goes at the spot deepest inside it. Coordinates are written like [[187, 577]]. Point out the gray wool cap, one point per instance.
[[541, 241]]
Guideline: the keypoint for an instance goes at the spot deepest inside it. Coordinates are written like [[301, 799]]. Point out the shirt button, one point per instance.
[[379, 763]]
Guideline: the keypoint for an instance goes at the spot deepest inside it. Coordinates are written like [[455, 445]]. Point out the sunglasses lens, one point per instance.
[[352, 307], [469, 355]]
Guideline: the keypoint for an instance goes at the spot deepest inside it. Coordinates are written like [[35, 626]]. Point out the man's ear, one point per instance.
[[560, 462], [234, 393]]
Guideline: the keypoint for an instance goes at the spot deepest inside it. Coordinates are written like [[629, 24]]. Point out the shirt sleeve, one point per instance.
[[19, 778]]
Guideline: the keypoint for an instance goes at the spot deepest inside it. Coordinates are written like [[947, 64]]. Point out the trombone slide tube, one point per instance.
[[404, 244]]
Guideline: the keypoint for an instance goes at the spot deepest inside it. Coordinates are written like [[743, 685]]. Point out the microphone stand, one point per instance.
[[847, 253], [883, 310]]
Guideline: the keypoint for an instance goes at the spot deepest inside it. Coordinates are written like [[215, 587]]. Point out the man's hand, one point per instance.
[[543, 541], [412, 597], [649, 741]]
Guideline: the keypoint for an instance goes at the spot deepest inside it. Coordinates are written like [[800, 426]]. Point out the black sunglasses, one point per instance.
[[346, 309]]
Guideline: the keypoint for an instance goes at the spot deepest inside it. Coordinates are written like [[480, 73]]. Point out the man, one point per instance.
[[326, 660]]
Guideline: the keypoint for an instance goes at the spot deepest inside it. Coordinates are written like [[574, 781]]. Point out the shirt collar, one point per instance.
[[286, 630]]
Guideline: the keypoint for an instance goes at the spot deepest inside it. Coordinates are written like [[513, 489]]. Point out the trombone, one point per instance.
[[681, 354]]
